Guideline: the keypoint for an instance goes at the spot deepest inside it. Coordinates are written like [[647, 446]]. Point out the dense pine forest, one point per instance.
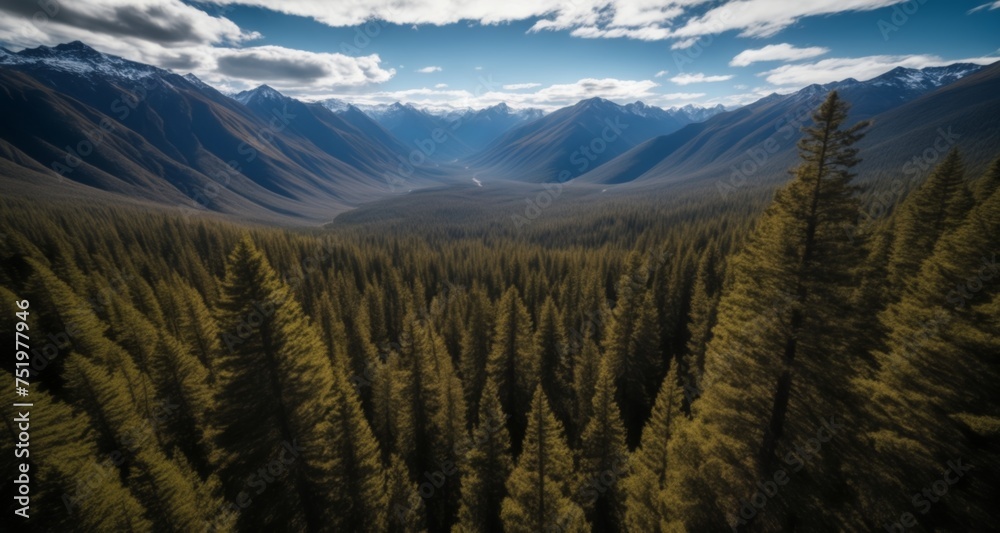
[[784, 365]]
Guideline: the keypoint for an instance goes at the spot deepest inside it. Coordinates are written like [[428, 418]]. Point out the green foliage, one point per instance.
[[704, 303], [779, 354], [274, 401], [475, 350], [604, 457], [400, 495], [632, 345], [513, 363], [934, 397], [540, 489], [486, 468], [184, 364], [935, 208], [644, 509]]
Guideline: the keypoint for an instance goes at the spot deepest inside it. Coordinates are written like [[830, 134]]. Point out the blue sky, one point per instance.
[[528, 53]]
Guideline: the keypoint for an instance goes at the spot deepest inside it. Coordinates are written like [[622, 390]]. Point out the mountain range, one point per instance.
[[758, 141], [89, 125]]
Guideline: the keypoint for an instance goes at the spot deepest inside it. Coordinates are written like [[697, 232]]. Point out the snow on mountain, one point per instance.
[[695, 113], [924, 79], [686, 114], [262, 93], [78, 58], [906, 81], [196, 81], [335, 105], [501, 111]]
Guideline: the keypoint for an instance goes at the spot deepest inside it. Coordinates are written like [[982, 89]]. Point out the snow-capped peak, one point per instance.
[[78, 58], [335, 105], [196, 81], [918, 79], [261, 93]]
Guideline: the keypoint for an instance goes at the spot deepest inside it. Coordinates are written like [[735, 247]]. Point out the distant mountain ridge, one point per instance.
[[77, 58], [727, 140], [85, 123], [166, 138], [475, 129], [573, 140]]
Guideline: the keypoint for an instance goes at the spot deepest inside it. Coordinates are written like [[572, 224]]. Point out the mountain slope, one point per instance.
[[572, 140], [177, 142], [759, 139], [913, 137], [417, 130], [349, 136], [478, 128]]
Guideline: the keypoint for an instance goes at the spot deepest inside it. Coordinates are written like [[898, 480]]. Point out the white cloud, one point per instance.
[[519, 86], [687, 79], [545, 98], [748, 96], [681, 20], [170, 23], [765, 18], [776, 52], [647, 33], [428, 70], [661, 73], [174, 35], [989, 6], [609, 88], [681, 96], [673, 99], [859, 68], [441, 86], [479, 68], [285, 67]]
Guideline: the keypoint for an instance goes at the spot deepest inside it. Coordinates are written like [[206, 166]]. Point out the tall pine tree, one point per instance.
[[604, 457], [632, 345], [513, 362], [274, 399], [779, 363], [936, 207], [645, 486], [486, 468], [933, 400], [540, 489]]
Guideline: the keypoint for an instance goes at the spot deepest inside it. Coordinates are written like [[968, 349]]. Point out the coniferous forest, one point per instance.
[[768, 367]]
